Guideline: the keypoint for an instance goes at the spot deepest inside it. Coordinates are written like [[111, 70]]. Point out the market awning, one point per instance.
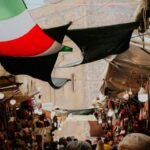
[[128, 70], [81, 111]]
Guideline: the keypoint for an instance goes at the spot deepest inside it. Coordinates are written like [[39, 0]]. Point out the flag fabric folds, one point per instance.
[[20, 35], [100, 42], [24, 47], [38, 67], [126, 72], [54, 32]]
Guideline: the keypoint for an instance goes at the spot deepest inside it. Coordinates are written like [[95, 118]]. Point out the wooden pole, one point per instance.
[[143, 14], [148, 90]]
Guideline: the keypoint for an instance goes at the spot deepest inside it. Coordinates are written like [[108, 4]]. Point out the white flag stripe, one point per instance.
[[16, 27], [53, 49]]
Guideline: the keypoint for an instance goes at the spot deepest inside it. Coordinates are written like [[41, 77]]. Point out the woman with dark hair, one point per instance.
[[78, 145]]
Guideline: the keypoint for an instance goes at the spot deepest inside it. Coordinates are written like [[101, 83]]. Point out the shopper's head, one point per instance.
[[100, 145], [135, 141], [78, 145]]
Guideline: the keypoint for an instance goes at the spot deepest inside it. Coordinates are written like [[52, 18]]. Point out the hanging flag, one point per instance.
[[38, 67], [100, 42], [54, 32], [24, 47], [20, 35]]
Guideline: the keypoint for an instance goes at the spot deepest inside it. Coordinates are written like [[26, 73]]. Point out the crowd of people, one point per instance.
[[133, 141], [26, 131]]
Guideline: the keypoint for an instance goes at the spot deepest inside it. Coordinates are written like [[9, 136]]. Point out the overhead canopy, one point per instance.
[[81, 111], [8, 83], [128, 70], [76, 111], [11, 90]]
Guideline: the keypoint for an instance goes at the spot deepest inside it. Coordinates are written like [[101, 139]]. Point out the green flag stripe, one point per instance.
[[66, 49], [11, 8]]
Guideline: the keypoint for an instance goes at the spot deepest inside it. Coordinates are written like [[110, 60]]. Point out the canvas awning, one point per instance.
[[87, 111], [128, 70], [81, 111]]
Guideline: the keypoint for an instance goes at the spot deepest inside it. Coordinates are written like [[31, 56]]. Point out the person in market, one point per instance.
[[78, 145], [135, 141]]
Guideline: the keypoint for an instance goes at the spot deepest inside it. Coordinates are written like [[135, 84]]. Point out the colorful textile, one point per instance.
[[20, 35]]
